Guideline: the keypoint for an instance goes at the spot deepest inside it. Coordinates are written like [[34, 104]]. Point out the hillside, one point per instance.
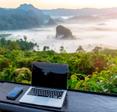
[[25, 16], [104, 12], [94, 71]]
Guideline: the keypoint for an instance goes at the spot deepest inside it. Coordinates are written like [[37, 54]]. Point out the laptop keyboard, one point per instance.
[[46, 93]]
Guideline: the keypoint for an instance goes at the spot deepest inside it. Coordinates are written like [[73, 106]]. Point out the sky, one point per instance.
[[50, 4]]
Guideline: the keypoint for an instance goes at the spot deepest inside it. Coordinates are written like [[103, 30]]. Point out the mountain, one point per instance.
[[28, 16], [61, 12], [25, 16], [27, 7], [107, 12]]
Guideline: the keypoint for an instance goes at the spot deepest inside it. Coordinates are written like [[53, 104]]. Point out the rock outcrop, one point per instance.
[[63, 32]]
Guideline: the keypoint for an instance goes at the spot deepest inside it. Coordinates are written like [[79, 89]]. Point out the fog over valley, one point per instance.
[[90, 27]]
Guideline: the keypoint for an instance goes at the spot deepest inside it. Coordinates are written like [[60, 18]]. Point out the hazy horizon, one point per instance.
[[71, 4]]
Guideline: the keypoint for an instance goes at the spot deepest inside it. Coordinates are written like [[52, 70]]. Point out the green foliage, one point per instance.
[[22, 75], [7, 74], [89, 71], [21, 44], [105, 81]]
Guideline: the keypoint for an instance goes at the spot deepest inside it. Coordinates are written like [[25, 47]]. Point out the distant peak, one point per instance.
[[26, 6]]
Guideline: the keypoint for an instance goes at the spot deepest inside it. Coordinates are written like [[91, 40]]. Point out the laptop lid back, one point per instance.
[[49, 75]]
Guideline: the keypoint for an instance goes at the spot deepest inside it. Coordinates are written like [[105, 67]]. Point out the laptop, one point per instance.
[[49, 85]]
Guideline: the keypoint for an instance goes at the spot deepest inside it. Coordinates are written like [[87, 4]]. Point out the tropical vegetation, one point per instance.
[[94, 71]]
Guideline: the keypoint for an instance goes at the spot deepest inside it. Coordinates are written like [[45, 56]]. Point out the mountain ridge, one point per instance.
[[27, 16], [23, 17]]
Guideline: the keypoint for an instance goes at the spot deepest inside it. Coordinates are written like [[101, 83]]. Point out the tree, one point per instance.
[[45, 48], [80, 49], [62, 49]]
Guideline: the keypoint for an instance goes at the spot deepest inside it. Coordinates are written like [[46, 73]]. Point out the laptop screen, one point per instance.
[[49, 75]]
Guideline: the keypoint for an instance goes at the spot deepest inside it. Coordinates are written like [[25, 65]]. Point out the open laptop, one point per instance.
[[49, 85]]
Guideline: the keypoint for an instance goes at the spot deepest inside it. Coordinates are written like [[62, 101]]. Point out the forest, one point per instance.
[[94, 71]]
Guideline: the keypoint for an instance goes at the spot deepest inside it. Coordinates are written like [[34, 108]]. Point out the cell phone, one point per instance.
[[13, 94]]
